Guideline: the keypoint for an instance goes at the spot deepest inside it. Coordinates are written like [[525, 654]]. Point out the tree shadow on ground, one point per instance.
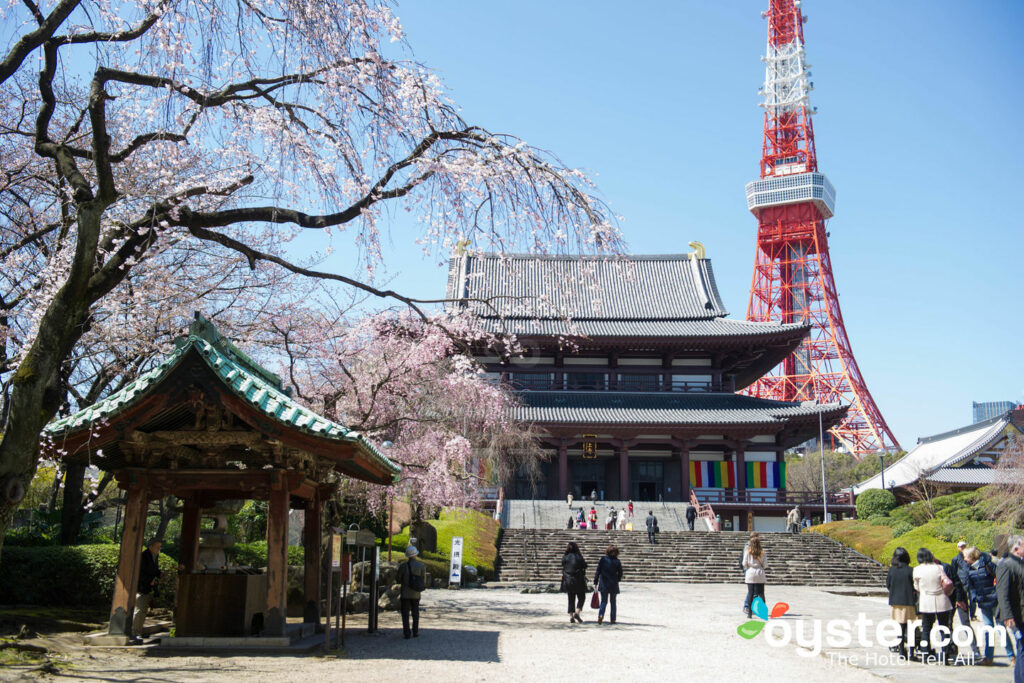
[[444, 644]]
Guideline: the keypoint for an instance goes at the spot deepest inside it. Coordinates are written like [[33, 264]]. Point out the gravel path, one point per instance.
[[665, 632]]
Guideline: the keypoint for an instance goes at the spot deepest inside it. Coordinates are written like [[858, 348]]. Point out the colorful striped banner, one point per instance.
[[766, 475], [705, 474]]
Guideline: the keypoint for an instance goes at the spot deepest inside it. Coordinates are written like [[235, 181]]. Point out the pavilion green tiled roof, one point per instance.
[[613, 407], [247, 380]]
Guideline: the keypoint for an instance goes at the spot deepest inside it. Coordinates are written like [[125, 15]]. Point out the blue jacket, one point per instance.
[[608, 575], [981, 581]]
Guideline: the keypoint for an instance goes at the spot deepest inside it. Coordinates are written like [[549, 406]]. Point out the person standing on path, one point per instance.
[[979, 579], [607, 577], [568, 499], [961, 598], [622, 522], [753, 575], [149, 574], [933, 604], [631, 509], [1010, 589], [593, 517], [902, 599], [691, 516], [412, 575], [652, 527], [574, 580]]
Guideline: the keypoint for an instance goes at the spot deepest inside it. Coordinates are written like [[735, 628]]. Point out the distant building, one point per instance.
[[989, 409]]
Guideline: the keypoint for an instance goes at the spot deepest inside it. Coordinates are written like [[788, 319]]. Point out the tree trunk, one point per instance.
[[35, 392], [72, 512], [169, 509]]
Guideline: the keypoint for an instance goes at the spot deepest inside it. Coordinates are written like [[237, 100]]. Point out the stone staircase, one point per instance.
[[688, 557], [553, 514]]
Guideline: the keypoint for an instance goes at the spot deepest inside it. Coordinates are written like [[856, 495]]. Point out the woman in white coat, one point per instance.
[[933, 601], [754, 564]]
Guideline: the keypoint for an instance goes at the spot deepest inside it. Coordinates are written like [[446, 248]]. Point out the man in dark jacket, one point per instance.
[[1010, 587], [149, 573], [652, 527], [412, 576], [691, 516], [961, 596]]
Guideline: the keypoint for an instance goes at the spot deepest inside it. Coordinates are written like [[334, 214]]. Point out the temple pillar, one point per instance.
[[684, 477], [314, 557], [741, 470], [191, 518], [624, 489], [277, 562], [126, 583], [563, 470]]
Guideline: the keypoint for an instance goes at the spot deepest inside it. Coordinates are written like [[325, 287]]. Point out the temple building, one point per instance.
[[630, 367]]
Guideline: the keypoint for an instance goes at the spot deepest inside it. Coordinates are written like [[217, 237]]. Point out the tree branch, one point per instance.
[[30, 41]]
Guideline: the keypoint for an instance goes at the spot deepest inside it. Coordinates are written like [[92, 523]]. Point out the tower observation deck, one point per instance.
[[793, 280]]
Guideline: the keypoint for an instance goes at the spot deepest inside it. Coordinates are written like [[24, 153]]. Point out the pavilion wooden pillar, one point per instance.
[[624, 473], [277, 561], [190, 520], [314, 558], [563, 470], [126, 583]]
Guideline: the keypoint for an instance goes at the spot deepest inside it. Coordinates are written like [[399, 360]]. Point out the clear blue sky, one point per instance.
[[919, 128]]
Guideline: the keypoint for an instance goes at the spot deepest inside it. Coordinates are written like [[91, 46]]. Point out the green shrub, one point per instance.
[[900, 528], [875, 502], [881, 520], [255, 554], [70, 575]]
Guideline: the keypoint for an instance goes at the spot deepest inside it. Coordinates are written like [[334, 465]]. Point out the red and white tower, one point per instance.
[[792, 271]]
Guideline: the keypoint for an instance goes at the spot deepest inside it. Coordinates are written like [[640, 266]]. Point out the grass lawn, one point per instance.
[[863, 537], [479, 532], [877, 542]]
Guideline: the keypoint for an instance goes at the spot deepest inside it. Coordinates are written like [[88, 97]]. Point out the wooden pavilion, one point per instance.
[[209, 424]]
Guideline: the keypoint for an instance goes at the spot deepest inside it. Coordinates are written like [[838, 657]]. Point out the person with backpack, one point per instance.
[[412, 575], [574, 581], [980, 581]]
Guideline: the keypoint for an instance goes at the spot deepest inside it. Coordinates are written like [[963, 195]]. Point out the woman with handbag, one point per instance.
[[933, 587], [754, 564], [574, 581], [607, 577]]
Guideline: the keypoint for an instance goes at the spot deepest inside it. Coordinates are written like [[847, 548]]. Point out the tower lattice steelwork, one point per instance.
[[793, 279]]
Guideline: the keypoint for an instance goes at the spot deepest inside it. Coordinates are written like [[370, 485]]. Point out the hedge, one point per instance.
[[255, 554], [875, 502], [78, 575]]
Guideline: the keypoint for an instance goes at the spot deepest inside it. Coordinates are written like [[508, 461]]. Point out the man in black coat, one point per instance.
[[961, 596], [691, 516], [149, 573], [652, 527], [1010, 588]]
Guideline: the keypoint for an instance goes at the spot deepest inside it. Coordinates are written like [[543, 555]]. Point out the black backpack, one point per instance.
[[413, 581]]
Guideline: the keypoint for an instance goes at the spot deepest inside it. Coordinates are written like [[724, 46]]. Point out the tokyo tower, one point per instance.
[[793, 280]]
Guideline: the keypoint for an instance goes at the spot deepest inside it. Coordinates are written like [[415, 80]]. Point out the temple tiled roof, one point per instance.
[[597, 407], [941, 452], [969, 476], [630, 296], [243, 377]]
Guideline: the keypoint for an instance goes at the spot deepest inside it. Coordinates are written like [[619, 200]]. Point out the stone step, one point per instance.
[[684, 556]]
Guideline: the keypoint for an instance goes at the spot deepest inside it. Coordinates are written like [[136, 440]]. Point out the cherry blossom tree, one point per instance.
[[404, 380], [133, 130]]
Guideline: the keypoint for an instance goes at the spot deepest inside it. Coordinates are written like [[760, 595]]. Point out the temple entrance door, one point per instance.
[[588, 487], [587, 477], [648, 480]]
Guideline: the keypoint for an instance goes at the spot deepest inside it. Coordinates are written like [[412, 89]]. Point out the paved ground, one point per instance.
[[665, 632]]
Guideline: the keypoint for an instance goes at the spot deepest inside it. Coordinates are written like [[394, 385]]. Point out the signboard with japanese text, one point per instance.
[[455, 575]]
